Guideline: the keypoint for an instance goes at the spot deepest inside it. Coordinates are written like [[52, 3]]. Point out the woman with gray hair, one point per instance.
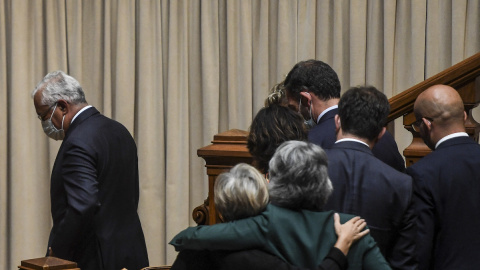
[[240, 193], [292, 227]]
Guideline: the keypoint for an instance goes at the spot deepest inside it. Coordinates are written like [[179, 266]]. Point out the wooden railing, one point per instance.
[[464, 77], [229, 148]]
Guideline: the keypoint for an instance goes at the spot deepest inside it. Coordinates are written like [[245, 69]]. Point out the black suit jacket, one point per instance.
[[365, 186], [94, 196], [248, 259], [447, 199], [385, 149]]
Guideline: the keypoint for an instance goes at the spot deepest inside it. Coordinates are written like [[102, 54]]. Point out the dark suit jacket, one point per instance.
[[94, 196], [447, 199], [365, 186], [385, 149], [248, 259]]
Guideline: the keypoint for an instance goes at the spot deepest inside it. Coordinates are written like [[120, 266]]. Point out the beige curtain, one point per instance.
[[177, 72]]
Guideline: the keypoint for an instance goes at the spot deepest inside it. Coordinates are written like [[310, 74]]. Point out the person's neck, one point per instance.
[[342, 135], [320, 105], [73, 110]]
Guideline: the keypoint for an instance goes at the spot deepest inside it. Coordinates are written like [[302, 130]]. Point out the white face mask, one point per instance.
[[51, 130]]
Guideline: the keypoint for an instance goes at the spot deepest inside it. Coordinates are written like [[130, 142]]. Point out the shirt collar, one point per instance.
[[451, 136], [325, 111], [352, 140], [79, 112]]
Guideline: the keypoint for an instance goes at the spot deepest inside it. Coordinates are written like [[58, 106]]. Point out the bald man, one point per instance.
[[446, 184]]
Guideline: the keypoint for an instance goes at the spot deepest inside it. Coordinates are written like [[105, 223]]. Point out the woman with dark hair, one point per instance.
[[272, 126]]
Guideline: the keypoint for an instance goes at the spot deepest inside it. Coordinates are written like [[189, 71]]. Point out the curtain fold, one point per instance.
[[177, 72], [4, 185]]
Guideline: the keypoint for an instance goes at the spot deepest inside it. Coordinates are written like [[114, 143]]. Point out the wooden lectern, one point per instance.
[[227, 149], [50, 263]]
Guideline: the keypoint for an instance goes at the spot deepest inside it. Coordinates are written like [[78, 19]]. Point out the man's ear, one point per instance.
[[306, 96], [382, 132], [427, 124], [63, 106], [338, 123]]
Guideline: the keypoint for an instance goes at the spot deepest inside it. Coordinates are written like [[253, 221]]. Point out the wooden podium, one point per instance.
[[50, 263], [227, 149]]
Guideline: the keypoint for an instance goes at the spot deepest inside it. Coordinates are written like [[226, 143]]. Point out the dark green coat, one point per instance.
[[302, 238]]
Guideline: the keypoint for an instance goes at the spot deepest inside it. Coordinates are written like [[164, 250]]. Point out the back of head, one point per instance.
[[272, 126], [277, 95], [363, 112], [443, 104], [240, 193], [58, 85], [314, 76], [299, 176]]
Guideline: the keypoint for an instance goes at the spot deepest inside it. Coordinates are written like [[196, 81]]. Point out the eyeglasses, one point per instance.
[[41, 116], [416, 124]]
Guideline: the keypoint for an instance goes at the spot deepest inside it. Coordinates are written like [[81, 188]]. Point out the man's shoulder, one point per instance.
[[370, 166], [447, 153]]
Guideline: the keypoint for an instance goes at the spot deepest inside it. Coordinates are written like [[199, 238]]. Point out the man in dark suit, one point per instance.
[[446, 184], [365, 186], [313, 89], [94, 185]]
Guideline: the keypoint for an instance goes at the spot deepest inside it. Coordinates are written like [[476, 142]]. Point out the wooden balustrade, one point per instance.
[[227, 149], [464, 77]]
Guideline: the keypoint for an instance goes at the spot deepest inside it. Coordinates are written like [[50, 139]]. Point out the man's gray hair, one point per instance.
[[58, 85], [299, 176], [241, 192]]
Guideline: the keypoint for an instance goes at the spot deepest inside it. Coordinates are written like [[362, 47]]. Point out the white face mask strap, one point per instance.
[[300, 105], [62, 121], [54, 108]]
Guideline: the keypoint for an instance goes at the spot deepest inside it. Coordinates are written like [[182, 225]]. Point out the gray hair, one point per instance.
[[58, 85], [299, 176], [241, 192]]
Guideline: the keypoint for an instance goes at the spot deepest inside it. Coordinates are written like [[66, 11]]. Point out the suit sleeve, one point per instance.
[[81, 186], [246, 233], [425, 210], [403, 251], [373, 258]]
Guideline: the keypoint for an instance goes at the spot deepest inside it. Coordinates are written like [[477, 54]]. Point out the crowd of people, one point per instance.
[[419, 217], [325, 167]]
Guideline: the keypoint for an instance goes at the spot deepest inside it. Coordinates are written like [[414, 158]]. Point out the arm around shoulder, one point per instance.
[[246, 233]]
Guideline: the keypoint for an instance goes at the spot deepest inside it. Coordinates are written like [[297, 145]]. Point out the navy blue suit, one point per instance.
[[94, 196], [447, 199], [365, 186], [385, 149]]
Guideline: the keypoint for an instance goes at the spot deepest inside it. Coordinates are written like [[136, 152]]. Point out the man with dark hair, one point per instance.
[[313, 89], [446, 183], [363, 185]]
